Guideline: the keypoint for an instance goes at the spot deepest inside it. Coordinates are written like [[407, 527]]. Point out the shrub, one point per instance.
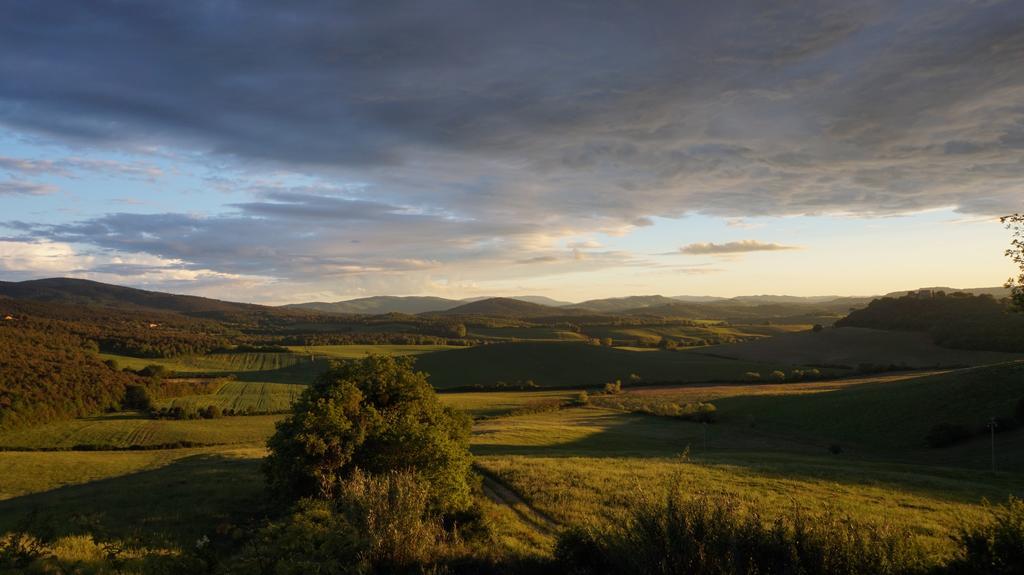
[[392, 511], [715, 535], [376, 524], [156, 371], [995, 547], [613, 388], [582, 398], [137, 397], [777, 376], [375, 414], [946, 434], [313, 539], [752, 376], [20, 550], [210, 412]]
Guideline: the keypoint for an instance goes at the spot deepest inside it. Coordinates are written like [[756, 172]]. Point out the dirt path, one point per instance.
[[501, 494]]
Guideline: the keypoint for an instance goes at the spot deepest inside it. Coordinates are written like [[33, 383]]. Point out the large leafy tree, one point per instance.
[[375, 414], [1015, 223]]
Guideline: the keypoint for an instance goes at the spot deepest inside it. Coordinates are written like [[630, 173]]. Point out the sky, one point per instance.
[[280, 152]]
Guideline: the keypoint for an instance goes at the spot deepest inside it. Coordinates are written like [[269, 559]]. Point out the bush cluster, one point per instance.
[[713, 534], [376, 414]]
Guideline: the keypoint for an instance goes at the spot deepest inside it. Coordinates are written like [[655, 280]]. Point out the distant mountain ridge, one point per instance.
[[504, 307], [619, 304], [381, 304], [86, 292], [72, 291]]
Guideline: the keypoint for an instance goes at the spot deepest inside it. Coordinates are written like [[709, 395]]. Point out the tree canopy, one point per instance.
[[375, 414], [1015, 223]]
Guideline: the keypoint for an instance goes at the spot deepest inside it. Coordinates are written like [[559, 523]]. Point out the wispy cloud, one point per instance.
[[19, 187], [731, 248], [74, 167]]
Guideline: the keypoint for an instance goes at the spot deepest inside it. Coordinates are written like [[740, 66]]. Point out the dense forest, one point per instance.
[[957, 320], [48, 374], [138, 333]]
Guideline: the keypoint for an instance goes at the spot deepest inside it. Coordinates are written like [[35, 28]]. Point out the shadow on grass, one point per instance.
[[179, 502], [303, 373], [748, 451]]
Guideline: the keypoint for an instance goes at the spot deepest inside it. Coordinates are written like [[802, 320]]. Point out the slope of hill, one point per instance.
[[729, 310], [852, 347], [996, 292], [620, 304], [541, 300], [574, 364], [504, 307], [958, 320], [86, 292], [380, 305], [889, 416], [47, 374], [697, 298]]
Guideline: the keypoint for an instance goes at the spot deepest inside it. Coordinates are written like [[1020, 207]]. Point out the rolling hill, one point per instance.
[[889, 416], [377, 305], [621, 304], [853, 346], [574, 365], [85, 292], [505, 307], [380, 305]]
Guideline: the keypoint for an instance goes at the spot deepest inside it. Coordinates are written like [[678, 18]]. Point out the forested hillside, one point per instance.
[[958, 320], [48, 374], [147, 333]]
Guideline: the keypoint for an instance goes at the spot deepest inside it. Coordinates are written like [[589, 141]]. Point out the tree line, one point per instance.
[[957, 320]]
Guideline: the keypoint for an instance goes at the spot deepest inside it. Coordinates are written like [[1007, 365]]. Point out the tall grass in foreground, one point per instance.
[[711, 534]]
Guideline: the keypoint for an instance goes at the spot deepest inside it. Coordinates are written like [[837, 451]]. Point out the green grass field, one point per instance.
[[357, 351], [300, 366], [259, 366], [495, 403], [574, 465], [891, 416], [124, 430], [582, 464], [574, 365], [242, 396], [692, 335], [852, 346], [175, 494], [525, 333]]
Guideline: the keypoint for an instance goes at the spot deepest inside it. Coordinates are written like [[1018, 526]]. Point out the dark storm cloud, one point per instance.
[[481, 124], [292, 234]]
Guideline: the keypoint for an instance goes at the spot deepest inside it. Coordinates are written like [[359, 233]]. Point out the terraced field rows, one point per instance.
[[215, 363], [124, 430], [242, 396]]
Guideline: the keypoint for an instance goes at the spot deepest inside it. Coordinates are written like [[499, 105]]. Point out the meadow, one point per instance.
[[853, 346], [241, 397], [574, 365], [549, 462], [271, 367], [128, 430], [697, 334]]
